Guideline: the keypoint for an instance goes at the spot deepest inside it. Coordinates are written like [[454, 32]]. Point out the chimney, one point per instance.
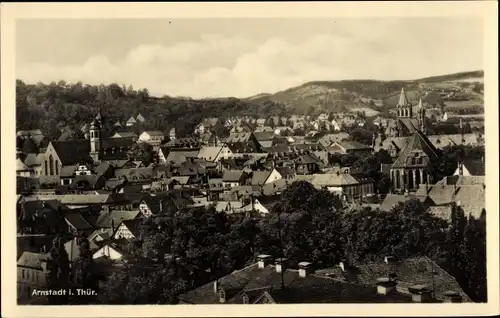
[[385, 285], [264, 260], [305, 268], [280, 264], [452, 296], [420, 293], [389, 259]]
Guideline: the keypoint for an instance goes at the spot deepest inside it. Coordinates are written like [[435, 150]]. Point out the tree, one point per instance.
[[141, 151], [57, 270]]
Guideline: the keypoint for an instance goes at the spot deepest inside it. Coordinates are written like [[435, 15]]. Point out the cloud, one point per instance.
[[218, 65]]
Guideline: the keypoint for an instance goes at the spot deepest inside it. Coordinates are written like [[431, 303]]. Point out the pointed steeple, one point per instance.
[[403, 100], [421, 115]]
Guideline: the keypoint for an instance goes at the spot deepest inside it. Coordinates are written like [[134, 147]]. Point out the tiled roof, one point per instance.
[[409, 272], [333, 180], [392, 200], [106, 220], [209, 153], [72, 151], [134, 173], [133, 225], [441, 141], [154, 132], [70, 199], [32, 260], [254, 282], [238, 137], [232, 175], [418, 142], [33, 159], [352, 145], [260, 177], [75, 219], [180, 156], [475, 167]]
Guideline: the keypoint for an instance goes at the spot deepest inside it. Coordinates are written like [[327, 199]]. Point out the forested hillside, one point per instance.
[[59, 108]]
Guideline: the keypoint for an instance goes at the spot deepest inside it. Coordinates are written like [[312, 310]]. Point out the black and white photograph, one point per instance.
[[250, 160]]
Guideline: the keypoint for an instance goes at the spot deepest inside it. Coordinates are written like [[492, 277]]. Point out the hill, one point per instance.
[[334, 96], [61, 109]]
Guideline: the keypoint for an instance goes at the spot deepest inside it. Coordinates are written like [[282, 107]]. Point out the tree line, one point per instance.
[[184, 249]]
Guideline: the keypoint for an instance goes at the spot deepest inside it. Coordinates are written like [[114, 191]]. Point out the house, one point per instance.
[[23, 170], [31, 275], [140, 118], [215, 154], [392, 200], [131, 122], [467, 192], [215, 188], [188, 142], [177, 155], [125, 134], [260, 178], [418, 271], [154, 137], [77, 222], [34, 161], [242, 143], [329, 139], [261, 283], [64, 153], [307, 163], [41, 217], [348, 146], [261, 205], [170, 201], [110, 220], [343, 184], [208, 124], [128, 229], [112, 250], [229, 207], [470, 168], [233, 178]]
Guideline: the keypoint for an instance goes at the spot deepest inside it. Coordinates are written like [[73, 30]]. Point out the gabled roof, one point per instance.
[[392, 200], [133, 225], [475, 167], [209, 153], [72, 151], [131, 120], [417, 142], [124, 134], [181, 155], [154, 132], [232, 175], [260, 177], [32, 260], [33, 159], [107, 219], [20, 166], [76, 220]]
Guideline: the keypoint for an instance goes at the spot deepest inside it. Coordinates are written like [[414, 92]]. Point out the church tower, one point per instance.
[[421, 116], [95, 140], [404, 108]]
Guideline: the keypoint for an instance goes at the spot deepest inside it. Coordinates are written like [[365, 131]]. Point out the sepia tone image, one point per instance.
[[250, 161]]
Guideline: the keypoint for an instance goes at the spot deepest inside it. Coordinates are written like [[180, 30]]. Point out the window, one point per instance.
[[46, 168], [22, 273], [57, 167], [51, 165]]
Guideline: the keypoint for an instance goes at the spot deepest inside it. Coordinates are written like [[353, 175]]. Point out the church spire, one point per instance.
[[404, 106], [403, 100], [421, 115]]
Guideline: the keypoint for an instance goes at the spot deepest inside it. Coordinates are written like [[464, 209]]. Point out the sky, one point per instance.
[[242, 57]]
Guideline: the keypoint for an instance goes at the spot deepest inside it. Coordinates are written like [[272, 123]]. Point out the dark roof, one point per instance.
[[75, 219], [133, 225], [409, 272], [418, 142], [475, 167], [72, 151], [232, 175], [392, 200], [178, 198], [106, 220], [260, 177], [134, 173], [255, 282]]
